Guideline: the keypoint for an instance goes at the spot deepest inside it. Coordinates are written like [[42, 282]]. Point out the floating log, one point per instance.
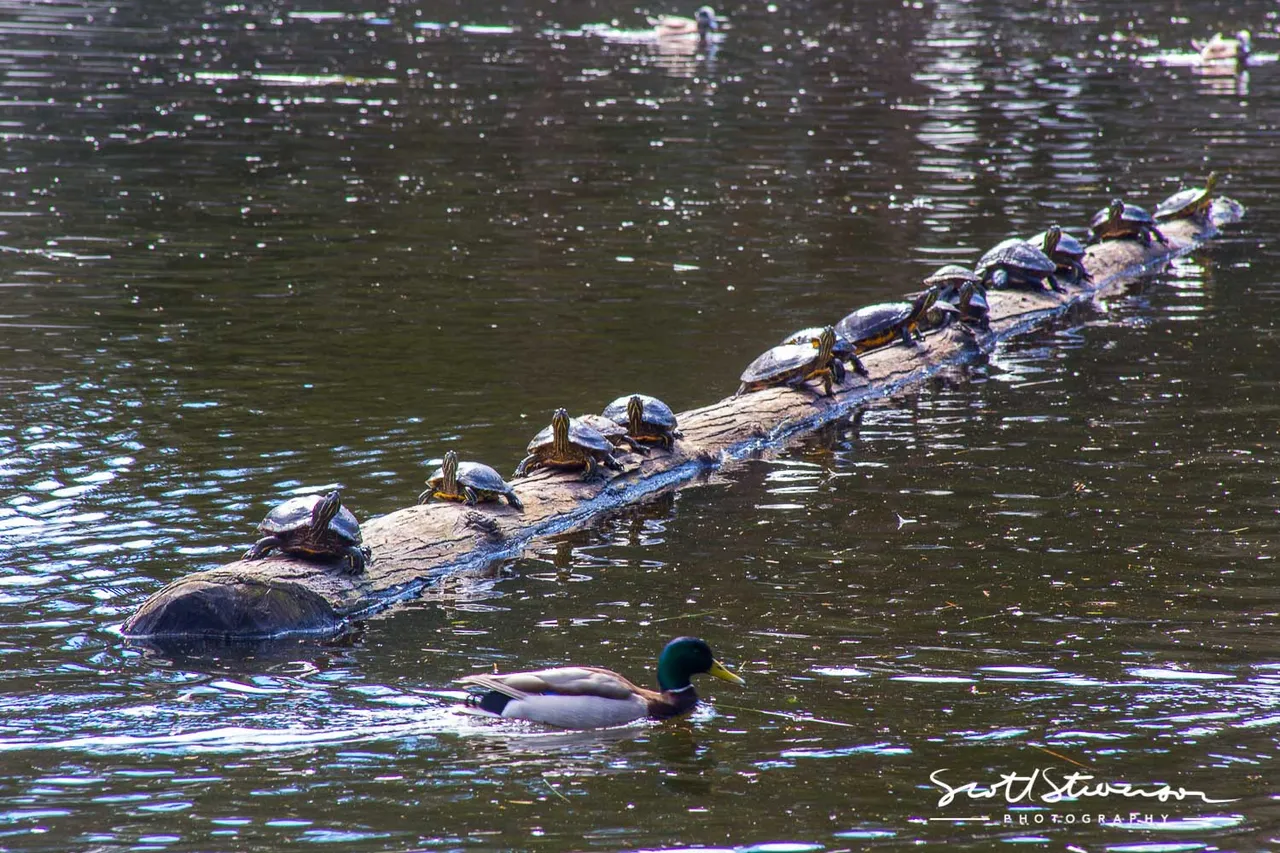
[[419, 545]]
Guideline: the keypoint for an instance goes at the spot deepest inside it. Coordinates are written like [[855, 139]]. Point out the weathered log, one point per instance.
[[416, 546]]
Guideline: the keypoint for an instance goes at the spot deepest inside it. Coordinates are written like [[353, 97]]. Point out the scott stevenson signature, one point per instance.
[[1016, 787]]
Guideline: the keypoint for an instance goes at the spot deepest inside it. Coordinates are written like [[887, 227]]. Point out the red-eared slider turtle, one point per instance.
[[875, 325], [568, 444], [468, 482], [1188, 204], [616, 433], [844, 350], [792, 364], [645, 419], [1064, 250], [1016, 263], [314, 526], [1120, 221]]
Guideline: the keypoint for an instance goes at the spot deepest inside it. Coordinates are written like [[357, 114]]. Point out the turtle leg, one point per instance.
[[613, 463], [904, 332], [858, 367], [426, 495], [1159, 235], [826, 381], [261, 548], [915, 330], [742, 389], [526, 465], [1053, 283], [515, 501], [837, 368], [592, 468], [356, 560], [999, 279], [471, 497]]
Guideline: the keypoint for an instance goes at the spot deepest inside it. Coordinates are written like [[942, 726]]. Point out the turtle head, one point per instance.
[[826, 343], [326, 510], [560, 428], [1115, 210], [449, 469], [1246, 44], [706, 18], [1051, 238], [685, 657], [635, 413], [925, 301], [1209, 183]]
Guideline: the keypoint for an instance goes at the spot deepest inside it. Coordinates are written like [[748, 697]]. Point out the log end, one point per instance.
[[225, 608]]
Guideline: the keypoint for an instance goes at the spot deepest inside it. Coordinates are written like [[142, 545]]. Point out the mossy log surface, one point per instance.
[[419, 545]]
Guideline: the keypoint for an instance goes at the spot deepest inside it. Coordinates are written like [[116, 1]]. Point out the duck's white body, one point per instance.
[[571, 697]]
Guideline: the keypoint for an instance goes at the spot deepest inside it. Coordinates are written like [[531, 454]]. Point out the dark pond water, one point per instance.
[[252, 250]]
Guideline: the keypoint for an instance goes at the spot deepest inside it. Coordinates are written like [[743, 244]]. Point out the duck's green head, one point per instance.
[[685, 657]]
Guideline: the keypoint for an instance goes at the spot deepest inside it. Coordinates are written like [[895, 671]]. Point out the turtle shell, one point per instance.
[[294, 516], [477, 475], [1131, 213], [1018, 254], [842, 350], [600, 424], [951, 276], [655, 412], [872, 320], [581, 434], [779, 362]]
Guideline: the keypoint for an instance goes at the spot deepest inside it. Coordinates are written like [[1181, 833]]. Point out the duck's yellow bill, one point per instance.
[[718, 670]]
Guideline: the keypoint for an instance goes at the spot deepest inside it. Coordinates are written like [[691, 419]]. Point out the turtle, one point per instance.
[[616, 433], [1188, 204], [843, 351], [793, 364], [1064, 250], [1016, 263], [949, 280], [1220, 50], [645, 418], [469, 482], [1119, 221], [568, 444], [875, 325], [313, 526], [701, 24]]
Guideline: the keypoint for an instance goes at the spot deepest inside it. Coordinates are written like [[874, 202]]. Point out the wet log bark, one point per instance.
[[417, 546]]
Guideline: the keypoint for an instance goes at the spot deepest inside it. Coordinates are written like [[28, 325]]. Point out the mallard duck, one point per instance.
[[702, 22], [588, 697], [1219, 49]]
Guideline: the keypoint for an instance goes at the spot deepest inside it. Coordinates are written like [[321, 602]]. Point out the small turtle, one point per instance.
[[950, 281], [616, 433], [1064, 250], [844, 350], [469, 482], [645, 418], [314, 526], [1220, 50], [1016, 263], [1191, 203], [792, 364], [876, 325], [1120, 221], [568, 444]]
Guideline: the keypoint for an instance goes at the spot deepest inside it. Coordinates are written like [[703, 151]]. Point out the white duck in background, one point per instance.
[[1220, 50], [701, 24]]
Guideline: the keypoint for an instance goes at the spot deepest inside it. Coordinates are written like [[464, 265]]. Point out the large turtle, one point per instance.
[[313, 527], [793, 364], [1121, 221], [568, 444], [645, 419], [468, 482], [1064, 250], [1193, 203], [1016, 263], [875, 325]]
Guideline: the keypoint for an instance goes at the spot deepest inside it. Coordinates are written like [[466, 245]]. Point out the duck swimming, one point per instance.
[[588, 697]]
